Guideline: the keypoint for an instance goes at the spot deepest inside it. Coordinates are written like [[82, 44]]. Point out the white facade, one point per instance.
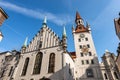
[[86, 56], [46, 57], [46, 42]]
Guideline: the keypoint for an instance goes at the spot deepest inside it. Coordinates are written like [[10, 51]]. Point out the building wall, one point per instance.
[[50, 44], [81, 68], [108, 67], [8, 64], [118, 62]]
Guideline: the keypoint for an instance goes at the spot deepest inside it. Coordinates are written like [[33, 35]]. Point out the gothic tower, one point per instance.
[[86, 62]]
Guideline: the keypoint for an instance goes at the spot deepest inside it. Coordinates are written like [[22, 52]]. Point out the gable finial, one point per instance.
[[45, 22], [25, 43], [45, 19], [64, 31]]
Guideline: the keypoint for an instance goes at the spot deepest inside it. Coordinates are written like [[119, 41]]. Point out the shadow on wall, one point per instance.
[[92, 72], [66, 73]]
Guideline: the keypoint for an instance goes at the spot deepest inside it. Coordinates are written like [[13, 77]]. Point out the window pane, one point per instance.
[[81, 54], [38, 62], [89, 73], [25, 67], [51, 63], [86, 39]]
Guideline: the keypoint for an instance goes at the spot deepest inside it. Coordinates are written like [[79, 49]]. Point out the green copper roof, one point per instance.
[[45, 21], [64, 32], [25, 43]]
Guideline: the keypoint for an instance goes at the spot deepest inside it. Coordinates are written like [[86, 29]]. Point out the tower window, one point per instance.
[[89, 73], [90, 54], [86, 39], [82, 62], [40, 45], [92, 61], [88, 45], [87, 62], [80, 46], [81, 54]]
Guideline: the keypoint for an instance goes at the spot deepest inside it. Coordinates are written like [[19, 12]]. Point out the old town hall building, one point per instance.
[[46, 57]]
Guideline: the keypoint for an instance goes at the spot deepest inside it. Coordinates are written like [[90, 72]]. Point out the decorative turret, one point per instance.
[[44, 22], [73, 28], [64, 40], [24, 45], [80, 24], [88, 26]]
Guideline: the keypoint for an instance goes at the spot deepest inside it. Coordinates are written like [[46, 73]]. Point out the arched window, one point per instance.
[[89, 73], [116, 76], [10, 71], [38, 61], [25, 67], [105, 76], [51, 63]]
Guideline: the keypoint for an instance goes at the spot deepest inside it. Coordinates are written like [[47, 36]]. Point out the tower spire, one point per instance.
[[45, 22], [64, 40], [77, 16], [25, 43], [64, 32], [79, 24]]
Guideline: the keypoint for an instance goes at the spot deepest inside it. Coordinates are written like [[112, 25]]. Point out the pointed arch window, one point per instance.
[[105, 76], [115, 74], [38, 62], [89, 73], [51, 63], [10, 71], [25, 66]]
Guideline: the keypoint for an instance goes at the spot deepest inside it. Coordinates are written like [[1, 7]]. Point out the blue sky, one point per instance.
[[26, 17]]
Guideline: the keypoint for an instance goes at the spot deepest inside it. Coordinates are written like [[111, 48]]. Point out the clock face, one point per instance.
[[82, 35]]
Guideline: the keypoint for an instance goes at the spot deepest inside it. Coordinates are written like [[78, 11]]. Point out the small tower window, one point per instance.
[[87, 61], [86, 39], [92, 61], [40, 45], [90, 54], [80, 46], [79, 40], [88, 45], [82, 62], [81, 54]]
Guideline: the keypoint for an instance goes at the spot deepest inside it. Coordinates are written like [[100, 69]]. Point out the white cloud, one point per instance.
[[59, 20]]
